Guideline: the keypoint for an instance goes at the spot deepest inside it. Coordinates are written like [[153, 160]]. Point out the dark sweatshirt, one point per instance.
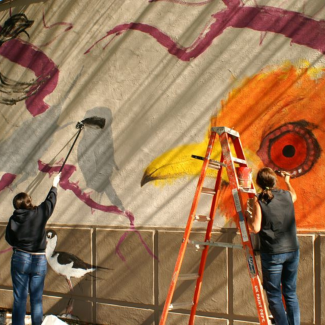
[[26, 228]]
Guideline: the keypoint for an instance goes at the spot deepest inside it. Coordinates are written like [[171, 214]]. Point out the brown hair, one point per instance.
[[23, 201], [266, 179]]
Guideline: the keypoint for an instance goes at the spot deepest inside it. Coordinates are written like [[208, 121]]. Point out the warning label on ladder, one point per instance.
[[241, 216], [236, 199]]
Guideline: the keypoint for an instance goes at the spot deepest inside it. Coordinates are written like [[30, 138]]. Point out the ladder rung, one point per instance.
[[218, 244], [214, 166], [196, 244], [212, 163], [201, 218], [247, 190], [228, 245], [209, 191], [180, 305], [239, 161], [192, 276]]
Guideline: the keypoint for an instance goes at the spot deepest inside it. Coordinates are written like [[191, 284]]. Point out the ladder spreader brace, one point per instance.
[[226, 135]]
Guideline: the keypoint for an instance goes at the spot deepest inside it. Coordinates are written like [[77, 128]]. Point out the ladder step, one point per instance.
[[247, 190], [210, 191], [239, 161], [194, 244], [201, 218], [212, 163], [189, 276], [214, 166], [217, 244], [223, 129], [180, 305]]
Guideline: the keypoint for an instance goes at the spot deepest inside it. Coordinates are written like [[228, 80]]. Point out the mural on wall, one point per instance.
[[303, 150], [12, 27], [98, 157], [33, 92], [161, 73], [63, 263], [85, 197], [67, 265], [30, 57], [279, 114], [97, 150], [263, 19], [97, 164], [68, 26]]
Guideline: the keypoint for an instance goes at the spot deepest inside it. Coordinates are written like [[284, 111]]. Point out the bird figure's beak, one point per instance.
[[177, 163]]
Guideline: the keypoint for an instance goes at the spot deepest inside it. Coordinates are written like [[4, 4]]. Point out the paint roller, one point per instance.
[[93, 122]]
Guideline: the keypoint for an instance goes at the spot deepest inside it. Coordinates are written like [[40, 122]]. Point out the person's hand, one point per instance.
[[56, 180], [286, 176]]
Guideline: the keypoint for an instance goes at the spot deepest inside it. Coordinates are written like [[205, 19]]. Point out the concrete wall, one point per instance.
[[160, 73], [133, 292]]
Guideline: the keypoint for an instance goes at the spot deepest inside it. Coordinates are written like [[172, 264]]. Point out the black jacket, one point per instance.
[[278, 233], [26, 228]]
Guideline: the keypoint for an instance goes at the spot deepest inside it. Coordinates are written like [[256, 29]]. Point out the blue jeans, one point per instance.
[[282, 269], [28, 273]]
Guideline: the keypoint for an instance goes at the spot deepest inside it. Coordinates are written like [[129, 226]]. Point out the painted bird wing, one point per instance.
[[67, 258]]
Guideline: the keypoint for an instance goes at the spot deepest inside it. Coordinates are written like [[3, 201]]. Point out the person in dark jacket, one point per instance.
[[273, 218], [25, 232]]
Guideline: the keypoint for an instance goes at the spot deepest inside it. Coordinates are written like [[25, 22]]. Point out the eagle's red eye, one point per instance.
[[291, 147]]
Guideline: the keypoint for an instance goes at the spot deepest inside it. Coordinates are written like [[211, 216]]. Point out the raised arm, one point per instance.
[[50, 200], [289, 186], [254, 219]]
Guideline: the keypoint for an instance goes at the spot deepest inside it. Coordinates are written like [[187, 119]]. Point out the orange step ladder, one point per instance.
[[230, 142]]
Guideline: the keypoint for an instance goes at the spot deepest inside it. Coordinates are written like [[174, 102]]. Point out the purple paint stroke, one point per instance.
[[299, 28], [123, 237], [262, 37], [6, 250], [30, 57], [67, 172], [186, 3], [70, 26], [6, 180]]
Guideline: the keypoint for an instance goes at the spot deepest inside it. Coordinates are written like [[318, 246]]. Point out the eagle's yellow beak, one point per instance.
[[178, 162]]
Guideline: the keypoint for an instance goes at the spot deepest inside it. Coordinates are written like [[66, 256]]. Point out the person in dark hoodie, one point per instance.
[[25, 232]]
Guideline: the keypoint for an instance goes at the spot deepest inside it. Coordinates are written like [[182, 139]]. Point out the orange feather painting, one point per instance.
[[279, 114]]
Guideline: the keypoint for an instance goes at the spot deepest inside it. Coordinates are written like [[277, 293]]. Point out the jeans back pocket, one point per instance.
[[39, 265]]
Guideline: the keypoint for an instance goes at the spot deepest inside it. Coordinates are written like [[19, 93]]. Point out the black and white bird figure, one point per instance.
[[65, 264]]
